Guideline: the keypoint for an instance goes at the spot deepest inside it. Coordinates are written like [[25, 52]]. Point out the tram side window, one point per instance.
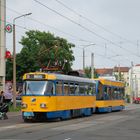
[[89, 89], [59, 87], [66, 88], [122, 93], [105, 93], [71, 89], [82, 89], [100, 91], [50, 88], [115, 93], [76, 89], [93, 89]]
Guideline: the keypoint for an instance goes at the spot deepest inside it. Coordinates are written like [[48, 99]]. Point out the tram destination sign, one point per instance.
[[35, 76]]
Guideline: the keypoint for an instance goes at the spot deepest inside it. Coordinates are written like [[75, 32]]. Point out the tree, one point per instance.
[[88, 72], [41, 48]]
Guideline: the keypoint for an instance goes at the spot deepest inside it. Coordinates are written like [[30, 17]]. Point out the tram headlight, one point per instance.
[[23, 105], [43, 105]]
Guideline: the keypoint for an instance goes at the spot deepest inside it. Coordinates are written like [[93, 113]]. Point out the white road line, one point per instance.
[[90, 123], [16, 126], [7, 127], [67, 139]]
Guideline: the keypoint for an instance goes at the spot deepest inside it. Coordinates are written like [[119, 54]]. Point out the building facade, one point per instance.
[[134, 81]]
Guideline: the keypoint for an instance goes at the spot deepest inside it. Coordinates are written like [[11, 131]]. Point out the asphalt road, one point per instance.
[[122, 125]]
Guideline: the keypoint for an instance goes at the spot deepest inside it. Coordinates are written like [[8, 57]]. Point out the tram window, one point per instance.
[[89, 89], [59, 88], [115, 93], [93, 89], [71, 88], [50, 88], [109, 94], [122, 93], [105, 93], [82, 89], [76, 88], [99, 95], [66, 88]]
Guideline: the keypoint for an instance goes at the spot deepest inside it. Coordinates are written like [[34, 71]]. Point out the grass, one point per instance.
[[11, 108]]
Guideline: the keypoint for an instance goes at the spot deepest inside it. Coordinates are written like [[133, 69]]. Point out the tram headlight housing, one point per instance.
[[23, 105], [43, 105]]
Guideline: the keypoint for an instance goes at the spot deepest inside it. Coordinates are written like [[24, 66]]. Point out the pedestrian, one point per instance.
[[3, 107], [8, 95], [2, 98]]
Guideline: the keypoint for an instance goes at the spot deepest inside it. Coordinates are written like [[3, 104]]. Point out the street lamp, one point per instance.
[[14, 58], [85, 46]]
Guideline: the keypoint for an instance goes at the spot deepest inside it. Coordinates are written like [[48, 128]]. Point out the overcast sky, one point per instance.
[[121, 18]]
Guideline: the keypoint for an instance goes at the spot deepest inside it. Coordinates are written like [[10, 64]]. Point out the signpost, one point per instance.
[[8, 28]]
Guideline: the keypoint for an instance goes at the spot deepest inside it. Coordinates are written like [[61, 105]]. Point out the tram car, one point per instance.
[[109, 95], [57, 96]]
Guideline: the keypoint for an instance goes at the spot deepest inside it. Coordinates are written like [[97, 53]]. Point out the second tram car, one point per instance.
[[109, 95]]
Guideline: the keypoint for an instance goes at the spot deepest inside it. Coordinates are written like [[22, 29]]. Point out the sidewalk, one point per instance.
[[10, 114]]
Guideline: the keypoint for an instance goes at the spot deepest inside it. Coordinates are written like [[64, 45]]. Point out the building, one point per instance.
[[106, 73], [134, 81], [122, 74]]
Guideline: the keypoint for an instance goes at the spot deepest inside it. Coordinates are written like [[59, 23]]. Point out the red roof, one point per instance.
[[138, 65], [121, 69], [103, 71]]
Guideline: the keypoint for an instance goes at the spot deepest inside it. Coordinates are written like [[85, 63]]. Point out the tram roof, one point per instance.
[[110, 82], [53, 76]]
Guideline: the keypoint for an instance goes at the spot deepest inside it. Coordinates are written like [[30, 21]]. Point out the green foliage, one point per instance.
[[88, 72], [38, 49]]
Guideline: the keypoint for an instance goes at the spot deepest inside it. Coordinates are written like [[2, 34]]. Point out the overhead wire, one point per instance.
[[21, 27], [37, 21], [25, 28], [47, 25], [85, 28], [92, 22]]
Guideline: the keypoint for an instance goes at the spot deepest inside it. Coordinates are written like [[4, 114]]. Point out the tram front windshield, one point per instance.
[[35, 87]]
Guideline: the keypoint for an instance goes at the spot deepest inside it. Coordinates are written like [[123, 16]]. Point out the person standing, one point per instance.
[[2, 98], [8, 95]]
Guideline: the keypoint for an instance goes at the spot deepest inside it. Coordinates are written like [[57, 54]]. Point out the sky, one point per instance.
[[108, 28]]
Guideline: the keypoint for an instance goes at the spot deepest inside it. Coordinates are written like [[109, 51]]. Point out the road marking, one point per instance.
[[7, 127], [89, 123], [78, 126], [16, 126], [111, 118], [67, 139]]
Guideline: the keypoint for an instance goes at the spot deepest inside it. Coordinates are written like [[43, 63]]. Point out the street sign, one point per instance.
[[8, 28]]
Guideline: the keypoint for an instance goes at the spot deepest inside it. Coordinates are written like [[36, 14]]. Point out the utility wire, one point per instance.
[[92, 22], [103, 56], [85, 28], [19, 26], [46, 25], [75, 46]]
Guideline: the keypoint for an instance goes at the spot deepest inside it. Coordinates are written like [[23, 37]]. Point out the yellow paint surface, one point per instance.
[[56, 103], [108, 103]]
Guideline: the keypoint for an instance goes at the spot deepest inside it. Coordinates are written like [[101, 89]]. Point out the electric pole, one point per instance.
[[2, 43], [131, 83], [92, 65]]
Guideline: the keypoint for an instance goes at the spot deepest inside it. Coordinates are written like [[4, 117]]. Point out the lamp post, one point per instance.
[[14, 58], [85, 46]]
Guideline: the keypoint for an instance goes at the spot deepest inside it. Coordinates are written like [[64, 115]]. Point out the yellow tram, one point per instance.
[[109, 95], [51, 96]]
